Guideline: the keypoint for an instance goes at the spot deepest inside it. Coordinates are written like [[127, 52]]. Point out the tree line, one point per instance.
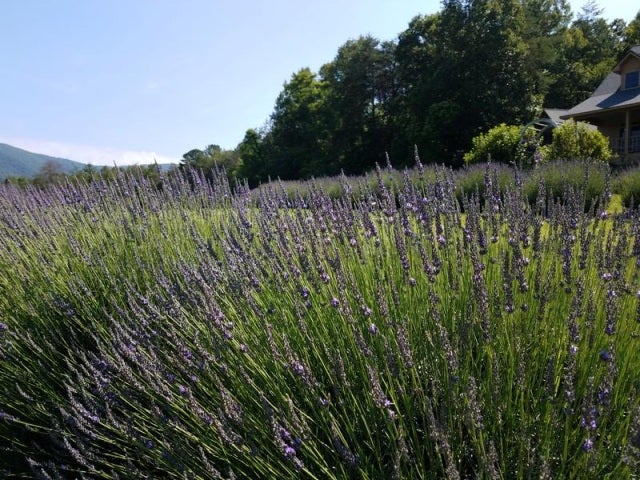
[[445, 79]]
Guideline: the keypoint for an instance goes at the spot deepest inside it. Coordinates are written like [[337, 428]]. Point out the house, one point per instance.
[[614, 108]]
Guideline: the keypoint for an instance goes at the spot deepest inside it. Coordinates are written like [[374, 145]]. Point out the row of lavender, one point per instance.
[[179, 330]]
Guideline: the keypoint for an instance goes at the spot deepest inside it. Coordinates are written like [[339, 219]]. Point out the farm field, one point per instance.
[[399, 327]]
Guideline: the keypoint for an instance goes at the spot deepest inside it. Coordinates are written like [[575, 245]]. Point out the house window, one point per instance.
[[634, 140], [632, 80]]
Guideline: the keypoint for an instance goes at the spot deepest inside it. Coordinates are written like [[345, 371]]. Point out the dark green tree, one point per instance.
[[299, 128], [50, 172], [254, 153], [630, 36], [545, 23], [586, 57], [211, 158], [473, 75], [361, 84]]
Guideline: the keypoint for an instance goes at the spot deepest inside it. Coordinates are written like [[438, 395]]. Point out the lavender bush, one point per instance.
[[177, 330]]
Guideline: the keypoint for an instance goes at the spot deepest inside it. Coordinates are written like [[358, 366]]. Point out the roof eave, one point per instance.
[[592, 113]]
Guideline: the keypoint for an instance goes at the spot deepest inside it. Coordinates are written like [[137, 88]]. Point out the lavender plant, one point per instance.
[[185, 330]]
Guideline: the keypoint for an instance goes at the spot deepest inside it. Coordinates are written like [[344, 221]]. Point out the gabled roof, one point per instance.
[[634, 52], [608, 95], [554, 114]]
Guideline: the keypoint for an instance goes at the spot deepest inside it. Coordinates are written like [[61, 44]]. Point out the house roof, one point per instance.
[[554, 114], [633, 52], [608, 95]]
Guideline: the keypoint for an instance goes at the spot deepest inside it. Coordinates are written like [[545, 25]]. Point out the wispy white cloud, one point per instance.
[[152, 86], [88, 153]]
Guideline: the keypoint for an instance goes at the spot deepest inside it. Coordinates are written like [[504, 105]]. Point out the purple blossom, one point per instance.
[[335, 302], [603, 396], [3, 326], [186, 354], [182, 389], [373, 328], [412, 281], [537, 157], [289, 452], [570, 396], [589, 424], [297, 368], [285, 435], [605, 356], [587, 446]]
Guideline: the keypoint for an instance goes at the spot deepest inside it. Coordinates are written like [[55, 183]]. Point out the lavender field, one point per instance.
[[184, 329]]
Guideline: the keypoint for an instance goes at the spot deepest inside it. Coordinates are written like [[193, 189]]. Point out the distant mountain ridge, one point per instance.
[[16, 162]]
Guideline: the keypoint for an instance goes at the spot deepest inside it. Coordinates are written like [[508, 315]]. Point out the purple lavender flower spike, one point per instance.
[[605, 356], [297, 368]]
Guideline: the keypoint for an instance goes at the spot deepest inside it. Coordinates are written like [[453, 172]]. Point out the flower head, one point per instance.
[[605, 356], [289, 452]]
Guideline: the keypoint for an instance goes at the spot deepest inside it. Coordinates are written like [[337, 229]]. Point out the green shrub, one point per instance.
[[503, 144], [627, 185], [576, 140]]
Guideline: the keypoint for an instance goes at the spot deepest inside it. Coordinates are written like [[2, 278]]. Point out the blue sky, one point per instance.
[[130, 81]]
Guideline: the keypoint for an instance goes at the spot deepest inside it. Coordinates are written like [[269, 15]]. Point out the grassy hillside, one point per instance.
[[21, 163]]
